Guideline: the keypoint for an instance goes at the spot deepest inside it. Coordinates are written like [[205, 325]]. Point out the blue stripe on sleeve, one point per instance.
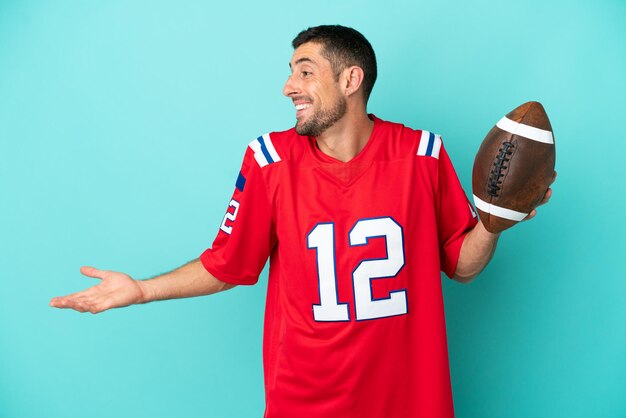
[[431, 142], [266, 153], [241, 182]]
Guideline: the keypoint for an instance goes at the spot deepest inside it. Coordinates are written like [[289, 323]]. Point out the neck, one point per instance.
[[347, 137]]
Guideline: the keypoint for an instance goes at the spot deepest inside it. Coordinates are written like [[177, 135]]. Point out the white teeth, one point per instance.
[[302, 106]]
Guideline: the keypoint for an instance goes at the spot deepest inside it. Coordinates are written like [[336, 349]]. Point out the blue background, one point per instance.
[[122, 127]]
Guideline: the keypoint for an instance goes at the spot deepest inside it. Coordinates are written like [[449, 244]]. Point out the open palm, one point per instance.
[[114, 291]]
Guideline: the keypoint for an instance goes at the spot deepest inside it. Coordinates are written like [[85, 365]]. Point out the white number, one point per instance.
[[322, 239], [366, 306], [230, 217], [329, 309]]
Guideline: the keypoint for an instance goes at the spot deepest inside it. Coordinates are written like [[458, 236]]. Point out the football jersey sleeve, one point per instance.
[[455, 214], [245, 238]]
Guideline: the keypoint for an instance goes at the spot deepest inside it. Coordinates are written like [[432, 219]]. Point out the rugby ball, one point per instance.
[[513, 167]]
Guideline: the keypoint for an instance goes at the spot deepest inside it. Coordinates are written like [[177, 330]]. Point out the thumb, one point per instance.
[[93, 272]]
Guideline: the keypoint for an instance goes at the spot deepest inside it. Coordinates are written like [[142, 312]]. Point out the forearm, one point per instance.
[[476, 252], [190, 280]]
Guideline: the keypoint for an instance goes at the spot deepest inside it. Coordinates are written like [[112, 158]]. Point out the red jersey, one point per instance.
[[354, 321]]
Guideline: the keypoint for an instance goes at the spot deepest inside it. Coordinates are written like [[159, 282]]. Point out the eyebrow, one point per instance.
[[303, 59]]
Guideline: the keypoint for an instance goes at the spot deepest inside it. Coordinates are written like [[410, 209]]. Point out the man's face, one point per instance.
[[314, 90]]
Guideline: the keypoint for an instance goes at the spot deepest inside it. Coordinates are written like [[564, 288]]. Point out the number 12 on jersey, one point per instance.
[[322, 239]]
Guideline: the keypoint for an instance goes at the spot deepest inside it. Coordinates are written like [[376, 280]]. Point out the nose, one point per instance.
[[291, 86]]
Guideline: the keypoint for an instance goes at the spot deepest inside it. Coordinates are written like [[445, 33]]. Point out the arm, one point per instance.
[[117, 289], [235, 257], [187, 281], [477, 250]]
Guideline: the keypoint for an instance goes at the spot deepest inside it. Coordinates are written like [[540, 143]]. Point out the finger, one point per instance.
[[87, 300], [80, 304], [57, 302], [93, 305], [546, 197], [93, 272], [99, 305], [61, 302], [87, 292], [65, 303], [531, 215]]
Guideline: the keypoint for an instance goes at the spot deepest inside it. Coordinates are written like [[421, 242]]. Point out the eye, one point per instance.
[[305, 74]]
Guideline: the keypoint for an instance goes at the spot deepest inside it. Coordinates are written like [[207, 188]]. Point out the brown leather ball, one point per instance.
[[513, 167]]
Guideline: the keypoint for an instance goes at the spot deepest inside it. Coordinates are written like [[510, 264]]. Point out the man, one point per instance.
[[358, 216]]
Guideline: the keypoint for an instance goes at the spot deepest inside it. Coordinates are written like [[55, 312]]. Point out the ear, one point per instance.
[[352, 79]]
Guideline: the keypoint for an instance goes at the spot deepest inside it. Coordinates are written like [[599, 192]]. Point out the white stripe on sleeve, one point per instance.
[[421, 150], [258, 153]]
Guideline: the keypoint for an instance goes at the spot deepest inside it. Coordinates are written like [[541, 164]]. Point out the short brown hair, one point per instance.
[[343, 47]]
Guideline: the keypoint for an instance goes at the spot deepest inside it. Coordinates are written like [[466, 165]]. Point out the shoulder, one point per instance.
[[278, 146], [419, 142]]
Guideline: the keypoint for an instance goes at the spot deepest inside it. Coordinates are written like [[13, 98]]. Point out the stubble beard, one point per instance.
[[322, 119]]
